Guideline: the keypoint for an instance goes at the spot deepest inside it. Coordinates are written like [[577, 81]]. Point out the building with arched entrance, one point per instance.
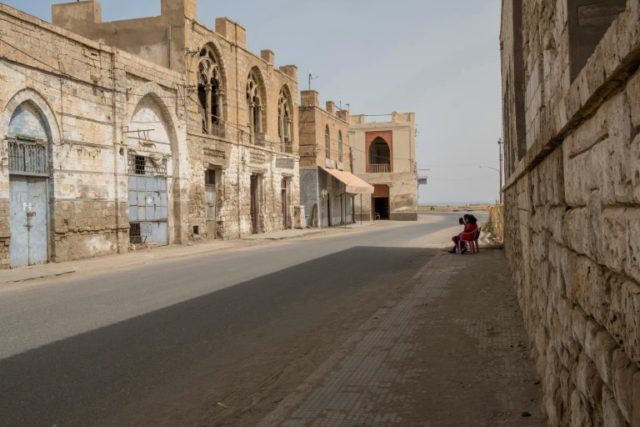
[[384, 155], [92, 148], [241, 114]]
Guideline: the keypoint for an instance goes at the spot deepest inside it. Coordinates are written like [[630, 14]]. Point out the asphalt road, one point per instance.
[[213, 340]]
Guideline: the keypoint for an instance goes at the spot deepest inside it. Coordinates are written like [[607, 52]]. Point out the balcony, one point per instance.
[[379, 168]]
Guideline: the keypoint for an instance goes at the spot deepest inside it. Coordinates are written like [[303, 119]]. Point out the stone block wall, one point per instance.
[[572, 213]]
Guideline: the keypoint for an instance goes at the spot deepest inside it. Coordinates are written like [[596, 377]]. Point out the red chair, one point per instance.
[[470, 238]]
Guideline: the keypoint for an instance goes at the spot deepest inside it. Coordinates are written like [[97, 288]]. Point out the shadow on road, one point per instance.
[[240, 348]]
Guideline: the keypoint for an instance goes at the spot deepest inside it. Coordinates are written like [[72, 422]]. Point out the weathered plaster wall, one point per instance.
[[88, 94], [572, 209], [230, 150]]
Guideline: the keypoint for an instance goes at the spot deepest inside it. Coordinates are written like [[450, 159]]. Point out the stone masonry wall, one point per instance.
[[229, 150], [572, 217]]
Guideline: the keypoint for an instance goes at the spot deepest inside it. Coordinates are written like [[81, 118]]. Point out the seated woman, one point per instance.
[[463, 221], [469, 234]]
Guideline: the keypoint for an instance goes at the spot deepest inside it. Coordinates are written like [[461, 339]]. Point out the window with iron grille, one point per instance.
[[147, 166], [28, 157], [135, 234]]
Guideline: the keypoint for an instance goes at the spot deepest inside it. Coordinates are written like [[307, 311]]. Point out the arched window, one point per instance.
[[379, 156], [254, 105], [284, 120], [210, 93], [340, 147], [327, 143], [29, 137]]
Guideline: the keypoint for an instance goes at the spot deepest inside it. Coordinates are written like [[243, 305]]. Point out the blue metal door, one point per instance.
[[29, 221], [148, 202]]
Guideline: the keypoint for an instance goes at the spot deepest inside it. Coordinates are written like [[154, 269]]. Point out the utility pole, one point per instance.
[[500, 157]]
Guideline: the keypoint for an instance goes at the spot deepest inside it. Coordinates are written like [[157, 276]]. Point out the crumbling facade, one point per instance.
[[84, 129], [571, 92], [384, 155], [241, 114], [327, 185]]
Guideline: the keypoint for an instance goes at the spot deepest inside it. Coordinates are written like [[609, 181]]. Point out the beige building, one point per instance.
[[327, 184], [384, 155], [571, 93], [93, 147], [241, 113]]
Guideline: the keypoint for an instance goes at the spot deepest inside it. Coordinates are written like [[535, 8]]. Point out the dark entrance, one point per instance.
[[380, 202], [255, 204], [284, 196], [381, 208]]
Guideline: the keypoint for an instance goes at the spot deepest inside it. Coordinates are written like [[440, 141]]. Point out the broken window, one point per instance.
[[284, 120], [588, 22], [210, 93], [140, 165]]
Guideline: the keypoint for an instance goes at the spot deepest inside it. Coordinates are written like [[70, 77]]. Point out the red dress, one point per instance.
[[469, 232]]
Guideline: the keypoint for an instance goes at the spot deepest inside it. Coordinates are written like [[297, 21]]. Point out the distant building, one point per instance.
[[327, 185], [384, 155]]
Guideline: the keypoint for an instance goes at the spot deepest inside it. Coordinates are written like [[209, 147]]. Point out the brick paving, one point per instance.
[[451, 352]]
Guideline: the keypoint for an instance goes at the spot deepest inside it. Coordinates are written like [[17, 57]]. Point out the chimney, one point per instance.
[[331, 107], [290, 70], [232, 31], [309, 98], [343, 115], [76, 16], [268, 55]]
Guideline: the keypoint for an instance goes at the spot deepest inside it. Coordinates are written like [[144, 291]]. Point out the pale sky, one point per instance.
[[437, 59]]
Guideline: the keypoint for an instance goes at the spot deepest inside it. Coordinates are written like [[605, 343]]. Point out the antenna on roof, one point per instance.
[[312, 77]]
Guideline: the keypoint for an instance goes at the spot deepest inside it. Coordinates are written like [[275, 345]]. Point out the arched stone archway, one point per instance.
[[29, 136], [151, 167]]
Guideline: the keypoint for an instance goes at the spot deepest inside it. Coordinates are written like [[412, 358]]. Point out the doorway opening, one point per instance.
[[380, 202], [256, 223]]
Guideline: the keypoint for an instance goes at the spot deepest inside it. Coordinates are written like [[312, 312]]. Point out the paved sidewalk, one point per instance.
[[452, 352]]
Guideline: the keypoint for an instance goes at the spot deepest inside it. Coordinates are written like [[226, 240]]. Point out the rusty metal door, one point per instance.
[[284, 196], [211, 199], [29, 221], [255, 204], [148, 201]]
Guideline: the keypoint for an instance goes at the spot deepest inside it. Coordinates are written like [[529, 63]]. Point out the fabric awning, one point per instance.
[[354, 185]]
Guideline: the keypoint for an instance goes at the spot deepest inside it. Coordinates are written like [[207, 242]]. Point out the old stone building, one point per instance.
[[327, 184], [241, 113], [93, 150], [384, 155], [571, 90]]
